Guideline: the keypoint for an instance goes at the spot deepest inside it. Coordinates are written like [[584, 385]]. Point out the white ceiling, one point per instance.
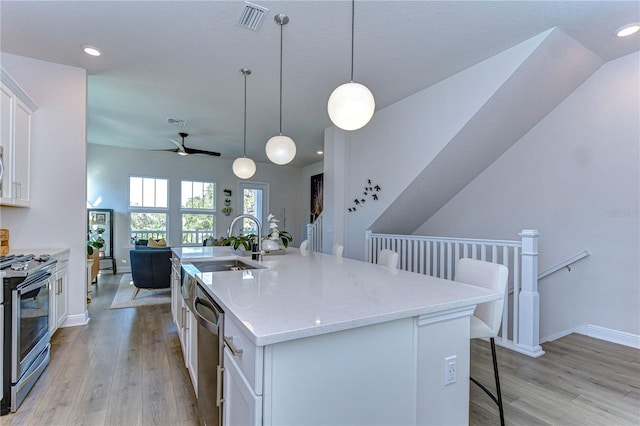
[[181, 59]]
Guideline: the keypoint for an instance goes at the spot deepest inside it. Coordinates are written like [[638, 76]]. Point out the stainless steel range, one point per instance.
[[25, 343]]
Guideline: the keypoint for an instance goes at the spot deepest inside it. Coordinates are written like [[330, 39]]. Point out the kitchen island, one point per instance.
[[328, 340]]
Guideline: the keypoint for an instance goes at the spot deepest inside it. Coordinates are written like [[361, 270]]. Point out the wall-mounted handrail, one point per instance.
[[565, 264]]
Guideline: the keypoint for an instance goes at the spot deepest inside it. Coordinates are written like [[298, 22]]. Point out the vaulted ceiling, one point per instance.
[[181, 59]]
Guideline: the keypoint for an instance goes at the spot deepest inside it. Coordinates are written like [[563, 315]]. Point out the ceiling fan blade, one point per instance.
[[179, 145], [167, 150], [200, 151]]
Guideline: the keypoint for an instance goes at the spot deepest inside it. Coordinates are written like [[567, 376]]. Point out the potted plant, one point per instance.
[[246, 241], [275, 239], [93, 254], [91, 245]]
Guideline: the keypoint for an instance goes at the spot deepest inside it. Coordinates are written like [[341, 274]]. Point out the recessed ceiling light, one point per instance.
[[627, 30], [320, 152], [90, 50]]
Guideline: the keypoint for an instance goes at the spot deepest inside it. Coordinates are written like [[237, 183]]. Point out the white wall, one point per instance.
[[109, 168], [56, 218], [575, 178], [401, 140]]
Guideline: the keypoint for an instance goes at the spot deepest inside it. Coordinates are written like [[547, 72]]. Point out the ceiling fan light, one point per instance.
[[280, 149], [184, 154], [351, 106], [244, 167]]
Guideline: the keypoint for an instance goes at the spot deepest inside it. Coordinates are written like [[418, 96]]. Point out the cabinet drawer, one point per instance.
[[250, 360]]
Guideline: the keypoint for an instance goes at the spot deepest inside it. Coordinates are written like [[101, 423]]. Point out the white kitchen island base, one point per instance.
[[385, 374], [313, 339]]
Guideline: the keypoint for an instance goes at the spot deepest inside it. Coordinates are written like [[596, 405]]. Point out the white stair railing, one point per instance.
[[314, 234], [438, 257]]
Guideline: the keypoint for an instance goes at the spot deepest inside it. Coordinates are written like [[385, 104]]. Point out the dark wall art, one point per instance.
[[317, 191]]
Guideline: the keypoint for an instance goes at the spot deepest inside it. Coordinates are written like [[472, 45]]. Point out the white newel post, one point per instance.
[[310, 232], [529, 300], [368, 256]]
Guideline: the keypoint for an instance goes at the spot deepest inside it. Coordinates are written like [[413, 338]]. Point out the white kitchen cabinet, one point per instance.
[[58, 292], [241, 405], [186, 324], [16, 109], [192, 349], [387, 373], [175, 292]]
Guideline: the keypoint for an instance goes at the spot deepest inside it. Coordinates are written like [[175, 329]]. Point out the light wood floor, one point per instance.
[[125, 368], [578, 381]]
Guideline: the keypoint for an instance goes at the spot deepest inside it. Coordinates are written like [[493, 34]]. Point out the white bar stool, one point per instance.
[[486, 320]]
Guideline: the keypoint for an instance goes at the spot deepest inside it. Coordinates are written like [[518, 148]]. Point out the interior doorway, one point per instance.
[[254, 200]]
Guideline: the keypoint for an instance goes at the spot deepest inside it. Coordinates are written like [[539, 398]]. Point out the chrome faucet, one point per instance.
[[257, 222]]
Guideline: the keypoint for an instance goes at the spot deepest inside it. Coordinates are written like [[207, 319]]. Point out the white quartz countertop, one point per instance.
[[299, 295], [40, 251]]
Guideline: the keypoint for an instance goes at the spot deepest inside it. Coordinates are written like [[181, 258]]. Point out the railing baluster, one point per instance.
[[516, 293]]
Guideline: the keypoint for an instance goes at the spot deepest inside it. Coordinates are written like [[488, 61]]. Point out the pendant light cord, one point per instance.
[[353, 13], [281, 29], [244, 144]]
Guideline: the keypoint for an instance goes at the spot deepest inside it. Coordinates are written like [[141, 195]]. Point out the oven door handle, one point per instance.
[[40, 283], [214, 328]]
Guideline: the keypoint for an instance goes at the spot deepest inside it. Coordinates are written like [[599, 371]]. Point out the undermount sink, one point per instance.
[[223, 265]]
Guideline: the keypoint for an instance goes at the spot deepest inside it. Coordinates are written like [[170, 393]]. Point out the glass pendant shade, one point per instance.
[[280, 149], [244, 167], [351, 106]]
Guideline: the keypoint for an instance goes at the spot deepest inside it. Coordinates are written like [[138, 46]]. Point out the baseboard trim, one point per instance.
[[75, 320], [122, 269], [602, 333]]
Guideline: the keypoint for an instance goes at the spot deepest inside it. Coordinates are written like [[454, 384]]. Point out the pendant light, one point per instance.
[[244, 167], [281, 149], [351, 105]]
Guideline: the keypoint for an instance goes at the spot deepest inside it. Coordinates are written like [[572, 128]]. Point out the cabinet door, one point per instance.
[[22, 153], [241, 405], [53, 322], [6, 129], [192, 344], [175, 297], [182, 329], [60, 284]]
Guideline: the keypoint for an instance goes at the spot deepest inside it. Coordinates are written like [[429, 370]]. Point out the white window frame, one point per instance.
[[189, 210], [143, 209], [264, 187]]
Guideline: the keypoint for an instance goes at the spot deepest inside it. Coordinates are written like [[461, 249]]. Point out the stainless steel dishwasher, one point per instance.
[[210, 319]]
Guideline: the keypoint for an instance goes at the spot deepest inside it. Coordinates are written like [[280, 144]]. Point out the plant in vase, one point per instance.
[[275, 239], [246, 241]]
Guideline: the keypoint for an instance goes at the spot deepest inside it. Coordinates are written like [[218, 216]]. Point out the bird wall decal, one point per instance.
[[368, 191]]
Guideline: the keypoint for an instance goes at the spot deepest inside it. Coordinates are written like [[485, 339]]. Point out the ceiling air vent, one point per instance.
[[252, 16], [176, 121]]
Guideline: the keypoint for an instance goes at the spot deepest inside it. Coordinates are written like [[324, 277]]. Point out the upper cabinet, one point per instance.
[[16, 109]]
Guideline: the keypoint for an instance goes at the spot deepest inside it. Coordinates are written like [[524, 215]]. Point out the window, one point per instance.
[[255, 201], [198, 208], [148, 208], [148, 192]]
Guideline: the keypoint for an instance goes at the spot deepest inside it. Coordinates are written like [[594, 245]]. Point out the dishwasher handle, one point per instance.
[[198, 303]]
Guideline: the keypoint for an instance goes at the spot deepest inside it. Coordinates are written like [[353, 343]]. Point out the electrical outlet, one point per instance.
[[450, 370]]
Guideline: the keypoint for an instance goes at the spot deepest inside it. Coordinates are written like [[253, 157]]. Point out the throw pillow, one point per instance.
[[157, 243]]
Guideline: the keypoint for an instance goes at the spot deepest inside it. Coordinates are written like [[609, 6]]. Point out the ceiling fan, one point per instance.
[[183, 150]]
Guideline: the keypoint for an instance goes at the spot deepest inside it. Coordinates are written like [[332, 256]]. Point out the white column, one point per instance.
[[368, 256], [529, 299]]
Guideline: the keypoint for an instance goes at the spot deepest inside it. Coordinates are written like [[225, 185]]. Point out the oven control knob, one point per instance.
[[19, 266]]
